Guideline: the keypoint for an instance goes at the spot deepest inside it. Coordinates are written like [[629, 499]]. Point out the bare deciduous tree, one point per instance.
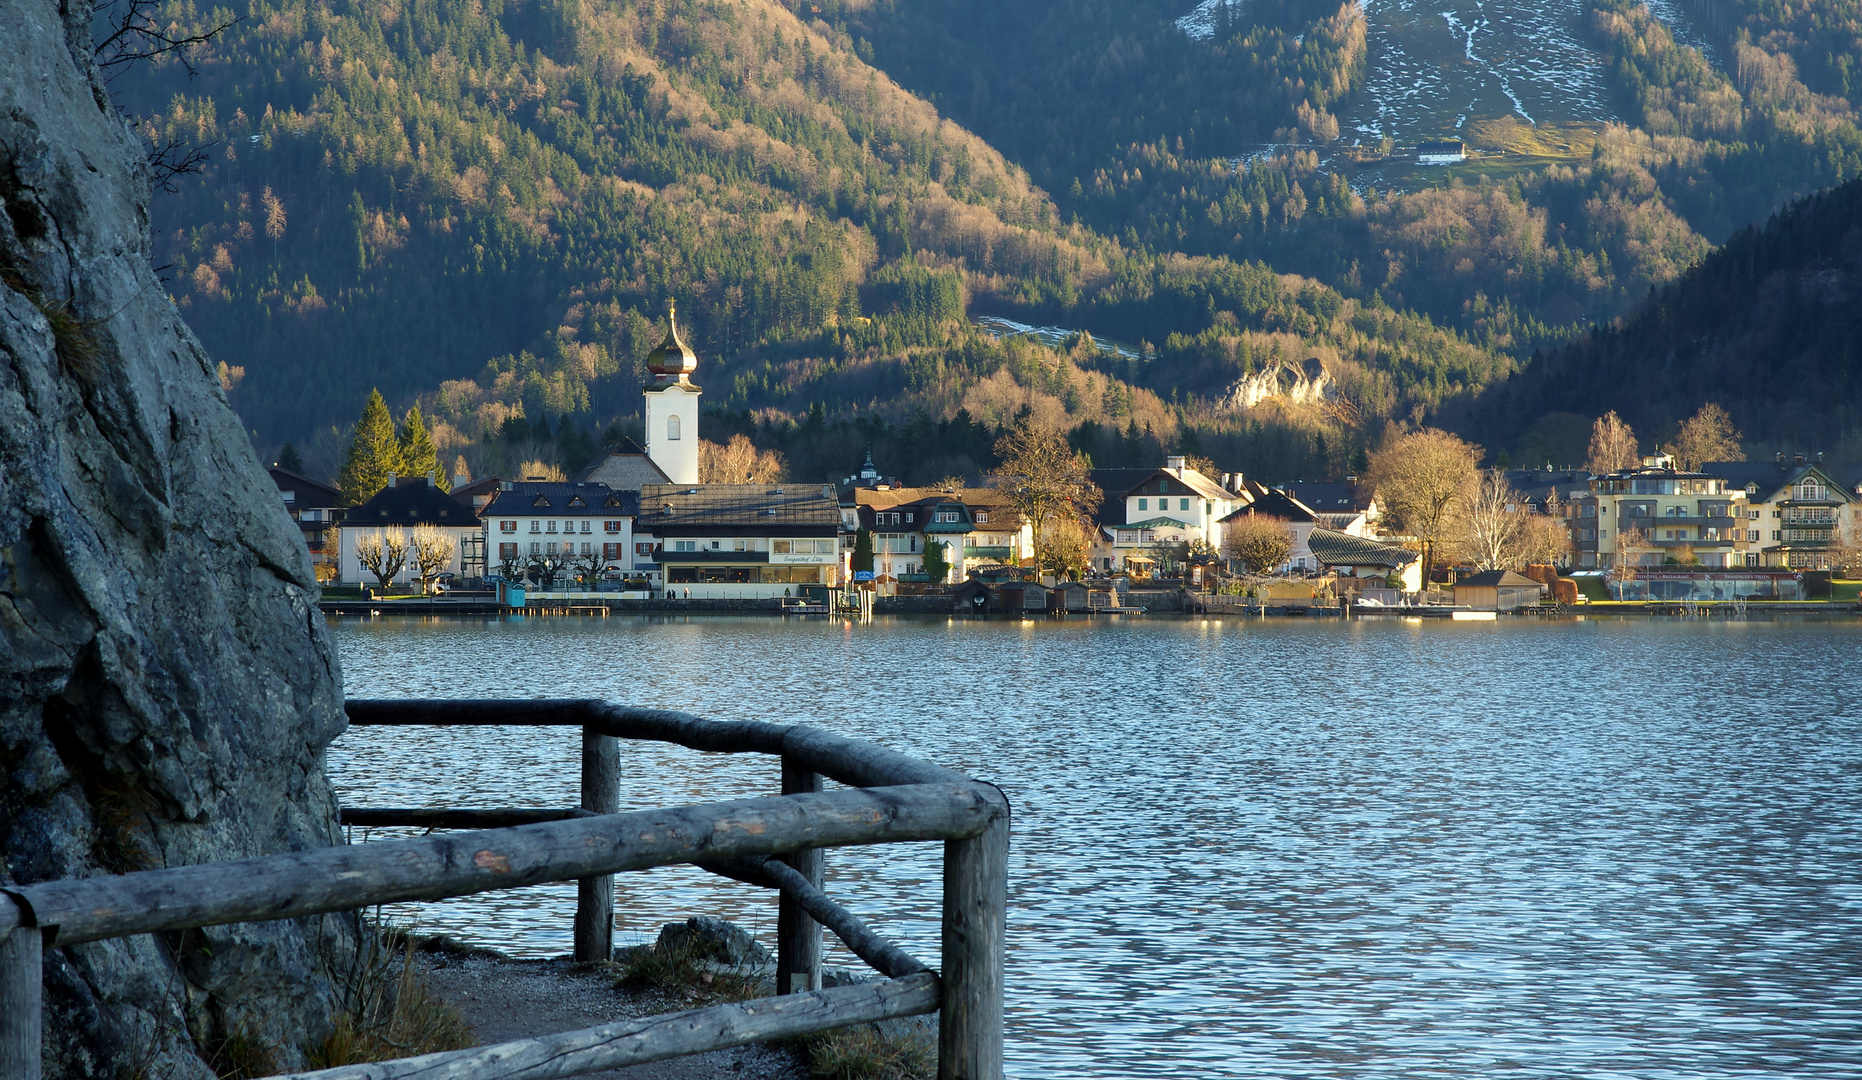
[[739, 462], [1047, 482], [1631, 543], [1612, 446], [1259, 542], [1708, 435], [433, 550], [1490, 520], [382, 553], [1418, 478]]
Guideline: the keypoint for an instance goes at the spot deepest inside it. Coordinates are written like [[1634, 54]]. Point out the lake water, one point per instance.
[[1615, 848]]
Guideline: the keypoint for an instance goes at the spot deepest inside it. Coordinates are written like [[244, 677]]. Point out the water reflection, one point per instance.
[[1300, 849]]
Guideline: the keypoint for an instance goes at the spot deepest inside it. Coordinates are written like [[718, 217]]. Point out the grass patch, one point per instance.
[[388, 1008], [1847, 592], [868, 1053], [683, 967]]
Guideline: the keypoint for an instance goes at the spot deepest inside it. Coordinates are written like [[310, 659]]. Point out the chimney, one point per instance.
[[393, 480], [1800, 459], [1778, 458], [1174, 461], [461, 480]]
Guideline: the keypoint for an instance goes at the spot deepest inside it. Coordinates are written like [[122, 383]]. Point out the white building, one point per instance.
[[672, 408], [562, 532], [396, 511]]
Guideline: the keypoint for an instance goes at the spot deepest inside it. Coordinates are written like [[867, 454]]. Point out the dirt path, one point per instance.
[[506, 999]]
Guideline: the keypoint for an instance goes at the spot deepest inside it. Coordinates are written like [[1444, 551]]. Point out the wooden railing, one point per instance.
[[775, 842]]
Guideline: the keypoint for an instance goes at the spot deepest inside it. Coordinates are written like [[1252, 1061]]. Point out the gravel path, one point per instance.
[[505, 999]]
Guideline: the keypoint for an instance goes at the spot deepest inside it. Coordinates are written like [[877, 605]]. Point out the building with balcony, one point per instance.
[[1797, 512], [979, 527], [1654, 515], [318, 510]]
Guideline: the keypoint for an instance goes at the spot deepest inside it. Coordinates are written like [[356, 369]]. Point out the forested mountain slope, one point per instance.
[[1769, 326], [488, 205]]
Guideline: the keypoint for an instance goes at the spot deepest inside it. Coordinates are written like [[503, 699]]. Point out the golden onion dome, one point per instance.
[[672, 357]]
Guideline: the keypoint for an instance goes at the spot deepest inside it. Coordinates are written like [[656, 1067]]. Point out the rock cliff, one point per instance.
[[1302, 383], [167, 688]]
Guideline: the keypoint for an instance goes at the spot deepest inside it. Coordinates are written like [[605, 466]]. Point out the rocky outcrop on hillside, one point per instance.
[[167, 687], [1307, 382]]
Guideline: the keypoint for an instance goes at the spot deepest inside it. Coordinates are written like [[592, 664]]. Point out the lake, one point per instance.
[[1619, 847]]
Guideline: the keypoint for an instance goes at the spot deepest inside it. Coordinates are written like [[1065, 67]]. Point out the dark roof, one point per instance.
[[490, 485], [1274, 504], [412, 501], [1498, 578], [1772, 477], [305, 491], [534, 499], [1334, 548], [1328, 498], [726, 509]]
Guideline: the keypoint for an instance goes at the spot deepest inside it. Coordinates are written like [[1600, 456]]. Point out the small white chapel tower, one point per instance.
[[672, 407]]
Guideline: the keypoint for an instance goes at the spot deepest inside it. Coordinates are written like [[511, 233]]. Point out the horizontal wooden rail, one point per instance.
[[458, 864], [633, 1042], [440, 817], [850, 761]]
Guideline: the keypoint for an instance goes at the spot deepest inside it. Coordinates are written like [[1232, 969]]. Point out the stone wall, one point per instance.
[[167, 687], [942, 604]]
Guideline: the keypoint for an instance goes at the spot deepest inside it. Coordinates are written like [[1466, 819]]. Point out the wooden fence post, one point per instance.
[[601, 794], [969, 1027], [21, 1009], [798, 935]]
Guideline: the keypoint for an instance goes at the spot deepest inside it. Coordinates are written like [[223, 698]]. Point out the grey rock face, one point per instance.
[[167, 688]]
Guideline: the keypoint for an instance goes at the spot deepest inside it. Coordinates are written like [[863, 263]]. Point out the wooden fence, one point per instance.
[[775, 842]]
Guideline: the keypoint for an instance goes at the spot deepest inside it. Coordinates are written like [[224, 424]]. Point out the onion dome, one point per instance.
[[672, 358]]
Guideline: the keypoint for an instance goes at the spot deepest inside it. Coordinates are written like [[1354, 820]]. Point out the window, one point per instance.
[[685, 545], [289, 496], [507, 526], [507, 551], [1774, 534], [610, 551], [714, 545], [1162, 486], [643, 549], [908, 517], [587, 549], [1143, 504], [536, 548], [585, 526], [611, 526], [781, 547], [551, 527], [672, 428], [737, 545], [982, 517], [550, 549], [1183, 504], [535, 526]]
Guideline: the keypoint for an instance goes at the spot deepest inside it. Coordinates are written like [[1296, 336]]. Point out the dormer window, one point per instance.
[[982, 517]]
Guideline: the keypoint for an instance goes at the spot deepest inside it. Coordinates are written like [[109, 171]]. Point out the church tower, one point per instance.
[[672, 407]]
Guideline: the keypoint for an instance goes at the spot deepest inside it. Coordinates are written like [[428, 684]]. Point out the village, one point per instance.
[[635, 524]]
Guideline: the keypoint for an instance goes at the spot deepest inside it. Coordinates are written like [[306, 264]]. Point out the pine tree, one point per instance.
[[373, 455], [289, 458], [419, 457]]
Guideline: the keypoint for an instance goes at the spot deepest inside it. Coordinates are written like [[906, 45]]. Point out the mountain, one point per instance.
[[1769, 326], [487, 206]]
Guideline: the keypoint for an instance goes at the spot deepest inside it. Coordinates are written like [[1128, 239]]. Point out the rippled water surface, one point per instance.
[[1591, 849]]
